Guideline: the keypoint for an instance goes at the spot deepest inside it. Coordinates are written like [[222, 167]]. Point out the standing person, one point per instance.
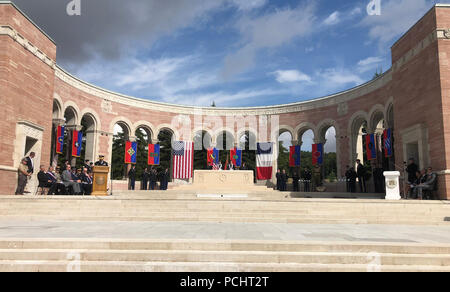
[[411, 169], [352, 179], [153, 179], [165, 177], [284, 179], [347, 178], [278, 176], [361, 173], [23, 177], [30, 162], [132, 178], [306, 176], [69, 180], [30, 165], [295, 180], [144, 179]]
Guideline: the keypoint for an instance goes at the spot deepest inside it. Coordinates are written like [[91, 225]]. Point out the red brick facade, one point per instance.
[[415, 89]]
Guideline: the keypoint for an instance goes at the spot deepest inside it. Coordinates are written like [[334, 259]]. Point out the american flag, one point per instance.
[[183, 159]]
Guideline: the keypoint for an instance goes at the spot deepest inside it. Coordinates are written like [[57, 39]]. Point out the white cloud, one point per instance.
[[333, 19], [335, 77], [268, 31], [397, 16], [289, 76], [246, 5], [369, 63], [223, 99], [356, 11], [149, 72]]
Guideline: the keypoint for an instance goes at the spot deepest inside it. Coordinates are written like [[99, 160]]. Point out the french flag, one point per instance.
[[388, 143], [154, 154], [264, 161], [60, 140], [294, 156], [77, 141], [317, 154], [371, 148]]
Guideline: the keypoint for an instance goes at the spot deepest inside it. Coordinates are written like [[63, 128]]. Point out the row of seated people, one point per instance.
[[69, 182], [423, 186]]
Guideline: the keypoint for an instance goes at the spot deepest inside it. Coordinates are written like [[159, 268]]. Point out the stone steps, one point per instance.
[[53, 255], [235, 210], [222, 256]]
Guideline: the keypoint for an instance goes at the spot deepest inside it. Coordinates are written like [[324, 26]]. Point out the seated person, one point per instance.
[[45, 181], [86, 180], [428, 185], [56, 180], [70, 180]]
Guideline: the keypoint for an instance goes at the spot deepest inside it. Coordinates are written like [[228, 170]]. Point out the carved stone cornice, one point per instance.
[[17, 37], [440, 33], [109, 98]]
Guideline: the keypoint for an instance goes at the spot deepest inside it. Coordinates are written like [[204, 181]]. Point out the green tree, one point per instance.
[[200, 156], [283, 157]]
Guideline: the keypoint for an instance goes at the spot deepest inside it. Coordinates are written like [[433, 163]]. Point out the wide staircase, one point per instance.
[[262, 207], [75, 255], [219, 255]]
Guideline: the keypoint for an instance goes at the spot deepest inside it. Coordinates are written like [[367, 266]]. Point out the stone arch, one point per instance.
[[230, 135], [167, 127], [253, 138], [377, 114], [323, 127], [389, 113], [232, 132], [284, 129], [356, 120], [148, 128], [91, 122], [355, 123], [124, 123], [301, 129], [71, 115], [206, 143], [58, 112], [92, 114]]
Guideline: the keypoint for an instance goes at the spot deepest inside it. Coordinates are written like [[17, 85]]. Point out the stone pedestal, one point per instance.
[[238, 181], [392, 185]]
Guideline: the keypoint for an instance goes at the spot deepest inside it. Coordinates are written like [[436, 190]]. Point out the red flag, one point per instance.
[[77, 140]]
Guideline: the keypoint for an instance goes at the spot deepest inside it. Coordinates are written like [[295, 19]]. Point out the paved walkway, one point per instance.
[[226, 231]]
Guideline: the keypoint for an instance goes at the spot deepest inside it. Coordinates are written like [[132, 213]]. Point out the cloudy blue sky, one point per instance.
[[233, 52]]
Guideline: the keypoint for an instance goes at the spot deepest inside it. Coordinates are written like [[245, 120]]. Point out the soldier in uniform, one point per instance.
[[317, 177], [101, 161]]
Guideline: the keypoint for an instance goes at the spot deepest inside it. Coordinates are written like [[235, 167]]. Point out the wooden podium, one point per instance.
[[100, 183]]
